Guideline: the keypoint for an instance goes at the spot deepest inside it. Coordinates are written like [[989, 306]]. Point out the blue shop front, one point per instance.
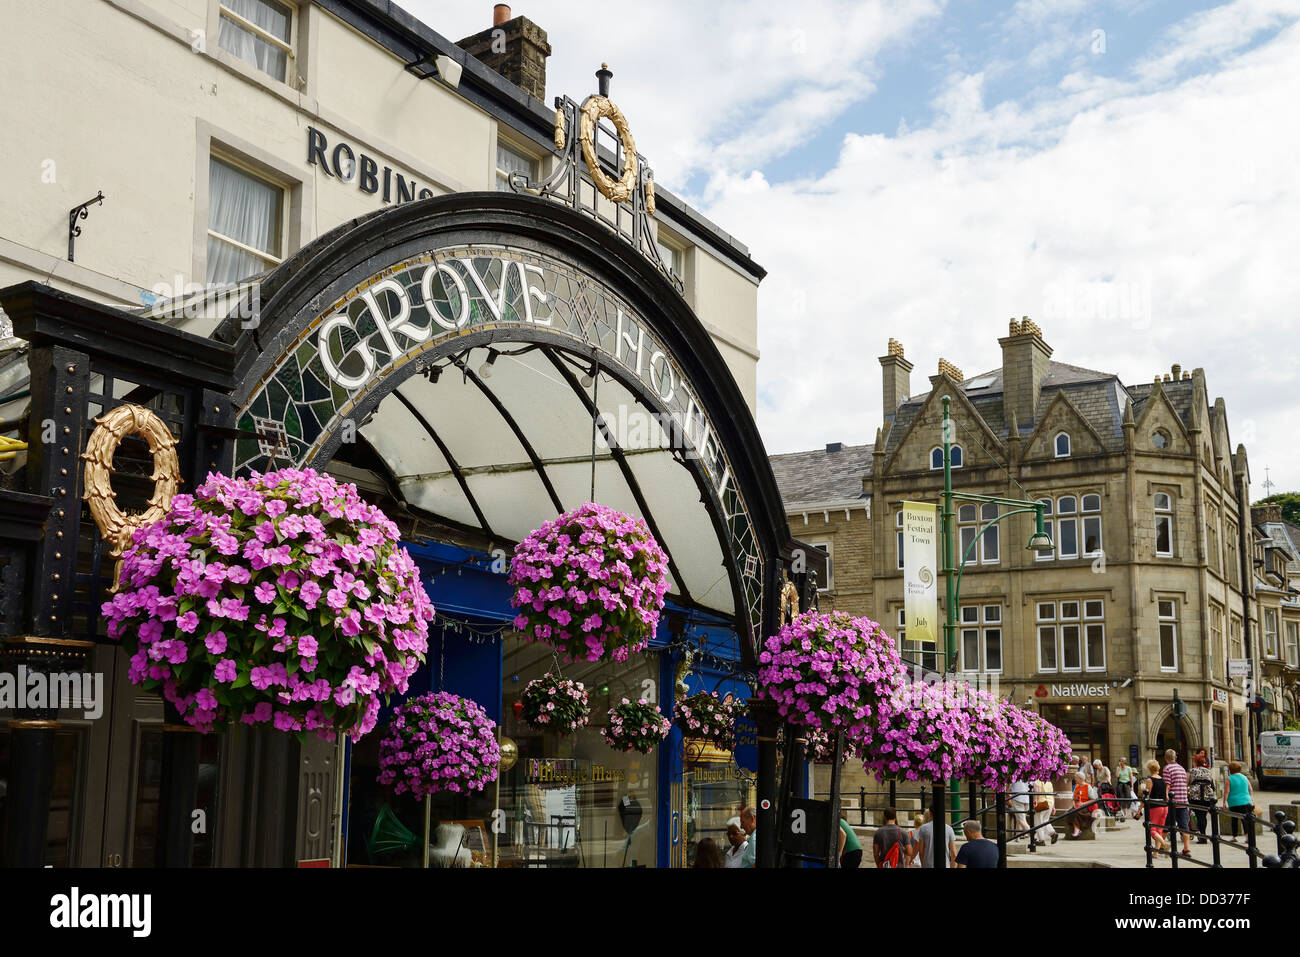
[[561, 800]]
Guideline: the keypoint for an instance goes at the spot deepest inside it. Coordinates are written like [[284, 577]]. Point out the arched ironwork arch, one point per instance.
[[351, 317]]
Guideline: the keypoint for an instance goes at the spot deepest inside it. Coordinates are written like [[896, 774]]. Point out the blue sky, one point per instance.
[[1121, 171]]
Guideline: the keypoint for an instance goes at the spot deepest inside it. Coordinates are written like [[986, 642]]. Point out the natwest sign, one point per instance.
[[1073, 691]]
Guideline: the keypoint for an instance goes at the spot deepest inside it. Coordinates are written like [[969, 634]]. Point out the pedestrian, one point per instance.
[[1157, 809], [926, 848], [914, 840], [1175, 776], [1020, 809], [1085, 768], [707, 854], [850, 846], [1081, 819], [735, 855], [1239, 799], [1044, 805], [978, 851], [1100, 773], [1124, 776], [887, 846], [749, 824], [1200, 792]]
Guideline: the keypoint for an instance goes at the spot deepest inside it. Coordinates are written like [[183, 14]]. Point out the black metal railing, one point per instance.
[[980, 804]]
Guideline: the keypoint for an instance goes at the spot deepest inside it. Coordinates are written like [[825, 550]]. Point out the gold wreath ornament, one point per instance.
[[592, 110], [116, 527]]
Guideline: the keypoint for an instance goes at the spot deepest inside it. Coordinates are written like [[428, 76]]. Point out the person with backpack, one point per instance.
[[1200, 792], [888, 846]]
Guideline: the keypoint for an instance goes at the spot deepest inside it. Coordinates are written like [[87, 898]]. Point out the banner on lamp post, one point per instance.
[[920, 583]]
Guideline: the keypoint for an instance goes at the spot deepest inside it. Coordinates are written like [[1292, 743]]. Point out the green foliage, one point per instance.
[[1290, 502]]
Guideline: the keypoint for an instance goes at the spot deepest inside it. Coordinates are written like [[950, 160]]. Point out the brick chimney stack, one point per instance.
[[895, 378], [514, 47], [1025, 359]]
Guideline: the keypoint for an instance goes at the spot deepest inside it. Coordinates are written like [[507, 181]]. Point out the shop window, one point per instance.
[[922, 653], [512, 160], [981, 638], [148, 788], [245, 223], [1167, 613], [259, 32], [969, 519], [1164, 525], [1047, 554], [1220, 736], [1270, 632], [1062, 445], [569, 800]]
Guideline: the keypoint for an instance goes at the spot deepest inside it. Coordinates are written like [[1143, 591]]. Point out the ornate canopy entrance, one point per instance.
[[505, 357]]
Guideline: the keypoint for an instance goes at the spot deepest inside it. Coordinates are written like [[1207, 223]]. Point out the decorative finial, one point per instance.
[[603, 76]]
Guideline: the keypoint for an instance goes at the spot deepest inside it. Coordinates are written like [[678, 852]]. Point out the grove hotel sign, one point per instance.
[[392, 324]]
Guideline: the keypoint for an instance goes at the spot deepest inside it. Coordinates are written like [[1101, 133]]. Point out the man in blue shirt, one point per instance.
[[978, 851]]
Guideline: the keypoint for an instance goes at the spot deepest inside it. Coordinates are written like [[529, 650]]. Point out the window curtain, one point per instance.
[[249, 47], [244, 209]]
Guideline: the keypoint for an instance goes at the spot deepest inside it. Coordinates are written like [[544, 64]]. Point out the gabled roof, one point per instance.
[[1097, 396], [818, 477]]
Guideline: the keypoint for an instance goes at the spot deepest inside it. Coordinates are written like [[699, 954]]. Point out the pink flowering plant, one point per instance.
[[590, 583], [708, 717], [555, 703], [821, 748], [281, 598], [927, 735], [636, 726], [831, 672], [439, 742]]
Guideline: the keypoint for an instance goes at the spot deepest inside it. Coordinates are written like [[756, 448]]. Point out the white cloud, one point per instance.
[[1140, 226], [711, 87]]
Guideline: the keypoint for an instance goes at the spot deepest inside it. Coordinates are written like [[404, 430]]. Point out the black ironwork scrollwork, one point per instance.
[[81, 211]]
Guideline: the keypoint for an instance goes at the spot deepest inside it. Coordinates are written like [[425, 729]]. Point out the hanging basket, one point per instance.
[[439, 742], [705, 716], [831, 672], [590, 584], [281, 598], [636, 726], [821, 748], [554, 703]]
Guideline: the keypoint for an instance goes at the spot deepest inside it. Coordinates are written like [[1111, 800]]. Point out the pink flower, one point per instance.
[[216, 642], [225, 671]]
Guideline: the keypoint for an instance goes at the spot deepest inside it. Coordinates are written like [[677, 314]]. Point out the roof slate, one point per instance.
[[818, 476]]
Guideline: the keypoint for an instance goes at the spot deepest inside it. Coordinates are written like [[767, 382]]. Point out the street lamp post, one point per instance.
[[952, 572]]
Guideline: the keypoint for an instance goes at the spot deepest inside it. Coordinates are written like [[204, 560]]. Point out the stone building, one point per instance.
[[1277, 591], [1134, 614]]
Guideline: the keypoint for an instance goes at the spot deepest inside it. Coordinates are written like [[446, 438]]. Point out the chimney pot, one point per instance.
[[1176, 369], [500, 14]]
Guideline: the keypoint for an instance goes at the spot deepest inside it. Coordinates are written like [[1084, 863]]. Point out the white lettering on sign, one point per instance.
[[1080, 691]]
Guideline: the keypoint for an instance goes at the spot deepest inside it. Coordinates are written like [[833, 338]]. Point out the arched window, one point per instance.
[[1062, 445], [1047, 554], [1160, 439], [954, 456], [1067, 527], [1164, 525]]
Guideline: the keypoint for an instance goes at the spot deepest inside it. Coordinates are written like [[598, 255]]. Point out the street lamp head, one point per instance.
[[1040, 541]]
